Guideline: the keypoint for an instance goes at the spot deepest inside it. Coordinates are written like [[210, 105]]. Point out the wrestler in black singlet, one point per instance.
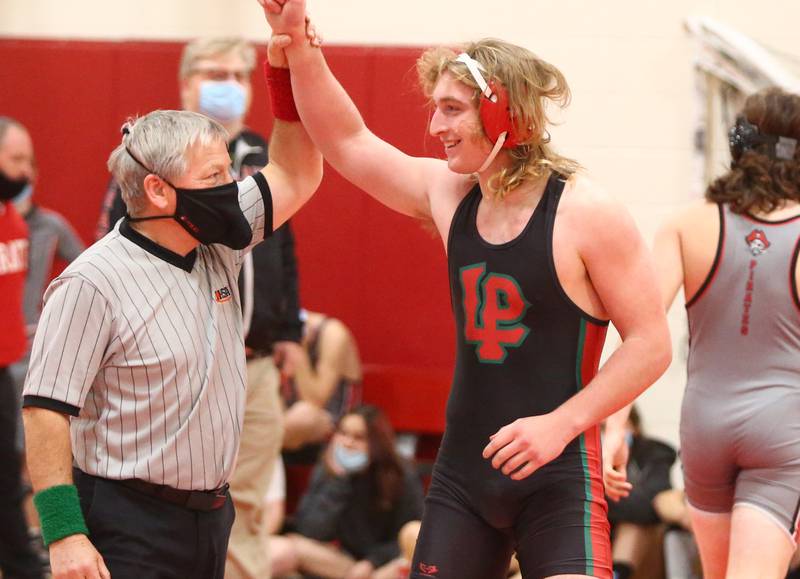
[[524, 348]]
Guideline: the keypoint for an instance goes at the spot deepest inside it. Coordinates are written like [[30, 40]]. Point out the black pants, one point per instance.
[[142, 537], [17, 558]]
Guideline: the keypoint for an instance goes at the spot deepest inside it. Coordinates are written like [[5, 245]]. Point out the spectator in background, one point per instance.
[[634, 518], [215, 80], [17, 557], [361, 495], [323, 384]]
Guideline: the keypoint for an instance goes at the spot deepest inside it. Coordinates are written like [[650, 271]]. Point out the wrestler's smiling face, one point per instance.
[[456, 123]]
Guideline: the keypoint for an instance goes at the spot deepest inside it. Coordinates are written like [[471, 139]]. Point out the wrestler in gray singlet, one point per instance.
[[740, 422]]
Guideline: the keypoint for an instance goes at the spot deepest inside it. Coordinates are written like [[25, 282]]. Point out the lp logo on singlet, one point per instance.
[[493, 308]]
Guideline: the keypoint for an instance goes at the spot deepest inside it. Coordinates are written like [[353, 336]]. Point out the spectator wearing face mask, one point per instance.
[[360, 495], [214, 79]]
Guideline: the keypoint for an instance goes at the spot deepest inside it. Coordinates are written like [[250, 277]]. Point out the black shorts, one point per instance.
[[560, 528]]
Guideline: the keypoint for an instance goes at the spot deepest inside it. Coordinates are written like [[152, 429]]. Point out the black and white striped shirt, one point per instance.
[[144, 348]]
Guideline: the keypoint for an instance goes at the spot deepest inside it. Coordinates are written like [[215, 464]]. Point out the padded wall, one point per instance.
[[380, 272]]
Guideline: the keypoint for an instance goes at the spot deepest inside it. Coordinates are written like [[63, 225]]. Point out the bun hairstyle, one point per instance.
[[765, 167]]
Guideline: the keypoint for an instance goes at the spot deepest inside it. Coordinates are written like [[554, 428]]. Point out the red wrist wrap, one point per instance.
[[279, 84]]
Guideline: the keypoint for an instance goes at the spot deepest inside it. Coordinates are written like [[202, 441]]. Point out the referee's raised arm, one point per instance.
[[294, 170]]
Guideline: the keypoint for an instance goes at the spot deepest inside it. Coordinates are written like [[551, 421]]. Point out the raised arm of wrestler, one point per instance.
[[608, 268], [294, 170], [419, 187]]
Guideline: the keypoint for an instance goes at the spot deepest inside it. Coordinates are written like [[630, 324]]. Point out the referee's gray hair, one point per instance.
[[161, 141]]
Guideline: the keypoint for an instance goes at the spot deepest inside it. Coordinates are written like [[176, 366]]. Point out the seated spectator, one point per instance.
[[360, 495], [634, 518], [322, 381]]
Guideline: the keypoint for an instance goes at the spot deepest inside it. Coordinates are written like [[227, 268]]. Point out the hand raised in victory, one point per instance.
[[285, 16]]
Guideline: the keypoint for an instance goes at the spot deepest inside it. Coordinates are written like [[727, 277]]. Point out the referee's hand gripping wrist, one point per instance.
[[75, 557]]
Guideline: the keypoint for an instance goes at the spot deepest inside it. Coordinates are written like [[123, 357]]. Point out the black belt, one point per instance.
[[194, 500]]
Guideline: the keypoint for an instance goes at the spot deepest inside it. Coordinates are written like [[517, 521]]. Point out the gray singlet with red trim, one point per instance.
[[740, 422]]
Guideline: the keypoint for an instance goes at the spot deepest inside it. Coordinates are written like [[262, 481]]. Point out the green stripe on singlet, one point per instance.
[[587, 482]]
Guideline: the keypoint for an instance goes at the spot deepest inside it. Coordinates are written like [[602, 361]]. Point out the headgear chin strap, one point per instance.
[[494, 110], [745, 136]]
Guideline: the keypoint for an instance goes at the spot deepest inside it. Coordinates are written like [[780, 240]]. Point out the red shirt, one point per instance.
[[13, 267]]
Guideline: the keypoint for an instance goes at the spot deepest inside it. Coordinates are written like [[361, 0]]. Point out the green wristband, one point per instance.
[[60, 513]]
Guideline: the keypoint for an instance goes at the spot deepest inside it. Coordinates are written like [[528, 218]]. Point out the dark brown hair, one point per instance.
[[758, 182], [385, 471]]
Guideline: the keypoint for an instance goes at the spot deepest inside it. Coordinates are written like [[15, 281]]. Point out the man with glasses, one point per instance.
[[214, 78]]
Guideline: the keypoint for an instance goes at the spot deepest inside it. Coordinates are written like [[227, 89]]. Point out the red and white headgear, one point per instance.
[[494, 110]]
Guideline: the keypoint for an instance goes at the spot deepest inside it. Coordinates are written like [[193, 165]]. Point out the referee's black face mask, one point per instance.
[[210, 215]]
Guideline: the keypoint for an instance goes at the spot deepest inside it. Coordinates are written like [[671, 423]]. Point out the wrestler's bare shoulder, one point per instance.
[[694, 216], [585, 199]]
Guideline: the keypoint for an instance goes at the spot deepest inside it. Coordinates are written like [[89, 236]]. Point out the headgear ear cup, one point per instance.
[[496, 116], [494, 108]]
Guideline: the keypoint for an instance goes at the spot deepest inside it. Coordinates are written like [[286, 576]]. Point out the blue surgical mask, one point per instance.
[[222, 100], [350, 460]]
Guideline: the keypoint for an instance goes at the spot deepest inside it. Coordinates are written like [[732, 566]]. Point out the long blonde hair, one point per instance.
[[530, 82]]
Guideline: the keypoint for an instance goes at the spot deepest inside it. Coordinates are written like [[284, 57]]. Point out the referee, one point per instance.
[[137, 375]]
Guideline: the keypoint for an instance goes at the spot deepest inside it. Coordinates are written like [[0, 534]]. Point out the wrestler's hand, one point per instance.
[[279, 42], [615, 465], [75, 557], [525, 445], [285, 16], [275, 53]]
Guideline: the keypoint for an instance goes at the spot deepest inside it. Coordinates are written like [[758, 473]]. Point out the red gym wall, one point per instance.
[[382, 273]]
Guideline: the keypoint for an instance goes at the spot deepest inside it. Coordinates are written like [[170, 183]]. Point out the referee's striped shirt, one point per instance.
[[144, 348]]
